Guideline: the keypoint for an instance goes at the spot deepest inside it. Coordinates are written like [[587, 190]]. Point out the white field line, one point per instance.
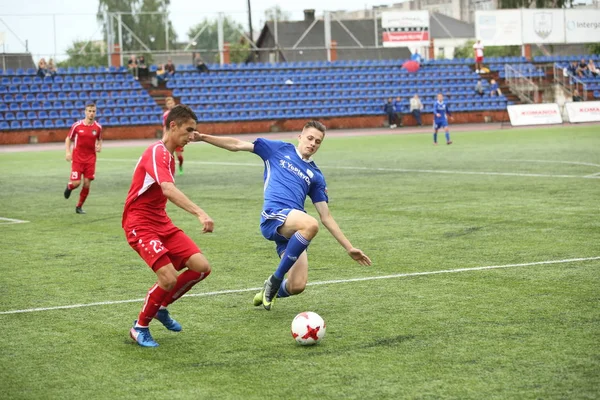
[[330, 282], [554, 162], [6, 221], [426, 171], [596, 175]]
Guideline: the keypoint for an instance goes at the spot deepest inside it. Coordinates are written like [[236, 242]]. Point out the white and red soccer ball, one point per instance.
[[308, 328]]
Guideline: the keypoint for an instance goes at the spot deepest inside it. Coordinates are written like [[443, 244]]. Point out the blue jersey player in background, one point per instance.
[[290, 176], [440, 118]]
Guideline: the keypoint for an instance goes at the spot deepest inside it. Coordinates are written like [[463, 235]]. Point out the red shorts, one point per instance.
[[179, 149], [88, 170], [479, 60], [151, 244]]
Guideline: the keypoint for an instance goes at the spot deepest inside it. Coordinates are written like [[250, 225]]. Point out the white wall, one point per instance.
[[449, 45]]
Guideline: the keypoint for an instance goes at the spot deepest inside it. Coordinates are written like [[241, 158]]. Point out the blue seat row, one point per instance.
[[69, 70]]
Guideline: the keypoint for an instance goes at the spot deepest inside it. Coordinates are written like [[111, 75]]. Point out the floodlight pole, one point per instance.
[[250, 22]]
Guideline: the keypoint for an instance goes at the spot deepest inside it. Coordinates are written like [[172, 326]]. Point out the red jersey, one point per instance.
[[145, 200], [84, 141]]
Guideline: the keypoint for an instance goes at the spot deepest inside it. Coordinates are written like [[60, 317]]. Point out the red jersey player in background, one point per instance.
[[86, 138], [170, 103], [151, 233]]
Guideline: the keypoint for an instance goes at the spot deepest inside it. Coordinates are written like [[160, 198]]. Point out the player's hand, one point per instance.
[[207, 223], [98, 148], [197, 136], [69, 157], [438, 115], [360, 257]]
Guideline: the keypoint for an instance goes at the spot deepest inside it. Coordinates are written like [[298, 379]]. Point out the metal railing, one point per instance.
[[521, 85], [570, 83]]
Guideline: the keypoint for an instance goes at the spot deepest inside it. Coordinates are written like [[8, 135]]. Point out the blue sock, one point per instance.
[[283, 290], [447, 136], [434, 137], [295, 247]]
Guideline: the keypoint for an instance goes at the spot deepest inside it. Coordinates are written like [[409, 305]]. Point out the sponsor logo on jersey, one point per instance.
[[292, 168], [94, 132]]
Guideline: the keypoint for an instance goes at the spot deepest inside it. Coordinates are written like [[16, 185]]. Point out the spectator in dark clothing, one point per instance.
[[42, 68], [576, 96], [169, 69], [142, 67], [388, 108], [582, 68], [200, 65], [398, 111], [572, 68]]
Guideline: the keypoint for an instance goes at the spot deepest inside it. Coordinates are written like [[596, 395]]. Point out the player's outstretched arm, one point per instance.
[[227, 143], [177, 197], [98, 146], [333, 228]]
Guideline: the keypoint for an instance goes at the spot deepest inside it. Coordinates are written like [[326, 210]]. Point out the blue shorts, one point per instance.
[[270, 221], [440, 124]]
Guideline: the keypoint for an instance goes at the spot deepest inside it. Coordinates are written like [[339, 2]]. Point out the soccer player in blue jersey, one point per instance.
[[440, 118], [290, 175]]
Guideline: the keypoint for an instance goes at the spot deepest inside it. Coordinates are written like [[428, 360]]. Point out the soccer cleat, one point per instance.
[[68, 192], [180, 170], [270, 292], [449, 142], [168, 322], [79, 210], [142, 336], [258, 299]]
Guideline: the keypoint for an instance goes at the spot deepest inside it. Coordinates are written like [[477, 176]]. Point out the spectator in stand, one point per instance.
[[479, 88], [132, 66], [42, 68], [169, 69], [416, 57], [388, 108], [576, 96], [200, 65], [582, 68], [494, 88], [415, 108], [593, 69], [572, 69], [161, 76], [478, 54], [51, 68], [398, 111], [142, 67]]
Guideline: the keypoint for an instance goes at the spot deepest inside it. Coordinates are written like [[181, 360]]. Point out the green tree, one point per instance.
[[276, 11], [466, 51], [150, 28], [209, 38], [92, 55], [594, 48]]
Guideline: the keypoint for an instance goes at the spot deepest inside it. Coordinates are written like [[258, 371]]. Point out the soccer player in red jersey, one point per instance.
[[170, 103], [86, 140], [151, 233]]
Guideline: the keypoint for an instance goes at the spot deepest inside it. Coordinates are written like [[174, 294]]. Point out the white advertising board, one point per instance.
[[498, 28], [534, 114], [583, 111], [582, 26], [405, 28], [543, 26]]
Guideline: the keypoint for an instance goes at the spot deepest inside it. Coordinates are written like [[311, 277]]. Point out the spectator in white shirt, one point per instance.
[[415, 108], [478, 53]]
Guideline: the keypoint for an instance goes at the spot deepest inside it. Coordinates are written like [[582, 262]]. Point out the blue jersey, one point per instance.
[[443, 110], [288, 178]]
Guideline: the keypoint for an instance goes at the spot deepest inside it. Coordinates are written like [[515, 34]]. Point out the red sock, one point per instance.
[[180, 158], [70, 186], [185, 281], [155, 297], [83, 195]]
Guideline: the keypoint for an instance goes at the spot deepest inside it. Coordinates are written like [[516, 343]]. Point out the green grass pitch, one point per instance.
[[491, 199]]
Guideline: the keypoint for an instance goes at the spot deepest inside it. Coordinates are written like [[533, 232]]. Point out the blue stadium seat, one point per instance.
[[42, 114], [15, 125], [31, 115], [37, 124], [48, 124], [4, 126], [59, 123], [25, 106], [26, 124], [135, 120], [20, 116]]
